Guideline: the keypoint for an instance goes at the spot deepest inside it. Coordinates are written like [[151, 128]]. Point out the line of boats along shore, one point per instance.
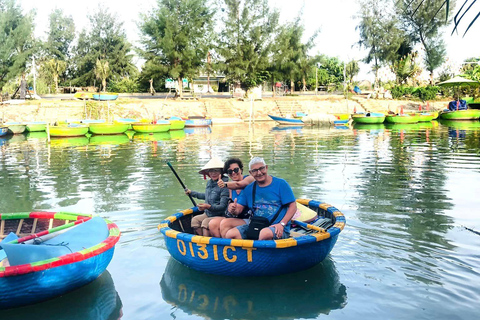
[[79, 128], [414, 117]]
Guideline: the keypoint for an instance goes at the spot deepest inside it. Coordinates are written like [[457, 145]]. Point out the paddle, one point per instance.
[[180, 180]]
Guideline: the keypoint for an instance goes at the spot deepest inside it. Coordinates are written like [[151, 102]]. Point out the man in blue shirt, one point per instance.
[[270, 195]]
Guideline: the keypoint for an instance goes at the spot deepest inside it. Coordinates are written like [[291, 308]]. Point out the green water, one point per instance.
[[407, 192]]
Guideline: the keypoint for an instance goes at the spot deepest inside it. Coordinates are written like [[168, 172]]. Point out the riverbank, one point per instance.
[[220, 109]]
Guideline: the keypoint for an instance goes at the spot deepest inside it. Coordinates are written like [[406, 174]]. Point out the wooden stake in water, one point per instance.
[[48, 131]]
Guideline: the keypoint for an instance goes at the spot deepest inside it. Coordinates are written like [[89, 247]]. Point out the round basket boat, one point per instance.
[[46, 254], [308, 245]]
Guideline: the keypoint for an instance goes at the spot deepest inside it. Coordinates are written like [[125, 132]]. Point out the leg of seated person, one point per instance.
[[197, 222], [233, 234], [214, 226], [228, 224], [205, 231], [266, 234]]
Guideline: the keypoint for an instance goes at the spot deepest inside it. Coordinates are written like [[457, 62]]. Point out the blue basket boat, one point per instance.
[[47, 254], [287, 121], [197, 121], [308, 245]]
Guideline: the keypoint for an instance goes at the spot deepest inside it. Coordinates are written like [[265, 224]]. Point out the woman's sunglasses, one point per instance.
[[236, 170]]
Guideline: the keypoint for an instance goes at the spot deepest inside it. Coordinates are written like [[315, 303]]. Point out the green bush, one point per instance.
[[123, 85], [426, 93], [402, 91]]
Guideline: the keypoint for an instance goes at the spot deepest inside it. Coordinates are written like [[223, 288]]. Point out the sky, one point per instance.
[[335, 19]]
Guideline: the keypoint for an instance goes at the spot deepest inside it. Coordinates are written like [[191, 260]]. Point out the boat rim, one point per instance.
[[319, 235], [87, 253]]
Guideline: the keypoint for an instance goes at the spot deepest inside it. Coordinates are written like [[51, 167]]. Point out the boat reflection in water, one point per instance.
[[69, 141], [158, 136], [198, 130], [303, 294], [112, 139], [298, 129], [98, 300]]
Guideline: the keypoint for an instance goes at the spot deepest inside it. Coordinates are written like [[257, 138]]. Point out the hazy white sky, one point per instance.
[[335, 18]]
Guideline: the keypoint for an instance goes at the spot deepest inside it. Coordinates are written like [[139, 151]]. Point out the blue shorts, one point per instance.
[[243, 232]]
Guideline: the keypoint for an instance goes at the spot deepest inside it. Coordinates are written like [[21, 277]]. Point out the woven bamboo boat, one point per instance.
[[15, 127], [3, 131], [36, 126], [402, 118], [469, 114], [36, 264], [68, 131], [308, 245], [369, 118], [108, 128], [142, 127], [197, 121]]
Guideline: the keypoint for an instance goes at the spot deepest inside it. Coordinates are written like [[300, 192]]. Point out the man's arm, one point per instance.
[[235, 185]]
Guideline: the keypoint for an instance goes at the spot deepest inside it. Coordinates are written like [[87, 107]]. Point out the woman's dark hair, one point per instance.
[[231, 161]]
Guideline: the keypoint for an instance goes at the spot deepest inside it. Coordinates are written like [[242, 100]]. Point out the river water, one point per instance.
[[409, 193]]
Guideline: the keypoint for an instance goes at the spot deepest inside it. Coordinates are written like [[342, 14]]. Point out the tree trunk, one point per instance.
[[55, 79], [180, 87], [431, 78], [274, 88], [104, 84], [304, 84], [292, 86]]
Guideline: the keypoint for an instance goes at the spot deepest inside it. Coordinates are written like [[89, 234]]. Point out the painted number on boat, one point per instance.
[[204, 251]]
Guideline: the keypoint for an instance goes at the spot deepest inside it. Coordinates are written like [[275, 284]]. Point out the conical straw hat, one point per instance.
[[214, 163]]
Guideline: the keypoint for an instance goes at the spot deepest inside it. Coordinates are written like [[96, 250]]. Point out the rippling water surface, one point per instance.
[[409, 193]]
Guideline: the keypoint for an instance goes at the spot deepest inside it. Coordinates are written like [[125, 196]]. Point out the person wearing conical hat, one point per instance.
[[216, 198]]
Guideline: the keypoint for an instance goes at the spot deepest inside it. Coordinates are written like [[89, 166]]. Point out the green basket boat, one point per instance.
[[404, 118], [368, 118], [469, 114], [427, 116], [177, 124], [36, 126], [108, 128], [67, 131], [151, 128]]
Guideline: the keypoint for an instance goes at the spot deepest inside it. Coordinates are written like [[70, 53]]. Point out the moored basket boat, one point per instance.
[[198, 121], [105, 96], [176, 123], [3, 131], [142, 127], [368, 118], [469, 114], [108, 128], [68, 131], [36, 263], [402, 118], [36, 126], [15, 127], [308, 245]]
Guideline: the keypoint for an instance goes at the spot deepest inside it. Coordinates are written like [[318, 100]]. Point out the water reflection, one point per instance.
[[151, 136], [111, 139], [69, 142], [96, 301], [300, 295], [198, 130]]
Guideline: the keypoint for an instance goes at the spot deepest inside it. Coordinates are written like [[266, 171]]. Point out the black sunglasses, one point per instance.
[[236, 170]]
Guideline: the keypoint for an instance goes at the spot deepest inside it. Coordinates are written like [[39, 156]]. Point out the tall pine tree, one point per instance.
[[246, 42], [176, 35], [16, 40]]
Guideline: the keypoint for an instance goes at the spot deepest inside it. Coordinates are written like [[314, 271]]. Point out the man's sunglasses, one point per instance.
[[231, 171]]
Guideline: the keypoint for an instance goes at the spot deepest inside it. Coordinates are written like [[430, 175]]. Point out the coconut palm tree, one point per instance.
[[102, 70], [55, 68]]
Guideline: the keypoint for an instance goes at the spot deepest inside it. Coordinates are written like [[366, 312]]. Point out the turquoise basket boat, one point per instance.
[[35, 263], [236, 257]]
